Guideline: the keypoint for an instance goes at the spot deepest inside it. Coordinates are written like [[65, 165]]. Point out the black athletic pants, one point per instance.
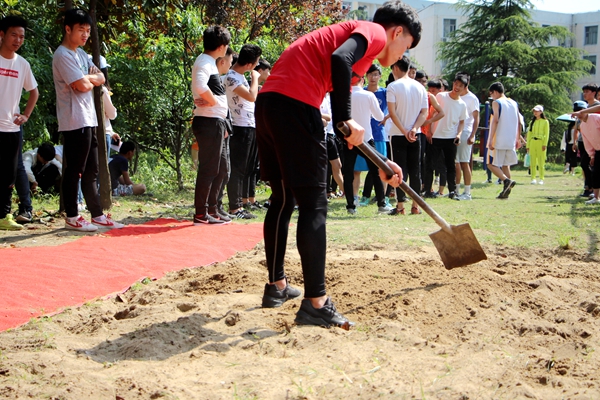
[[80, 160], [9, 155]]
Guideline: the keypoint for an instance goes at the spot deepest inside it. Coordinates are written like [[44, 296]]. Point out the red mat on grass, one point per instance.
[[36, 281]]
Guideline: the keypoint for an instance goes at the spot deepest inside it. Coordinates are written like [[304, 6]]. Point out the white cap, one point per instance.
[[539, 108]]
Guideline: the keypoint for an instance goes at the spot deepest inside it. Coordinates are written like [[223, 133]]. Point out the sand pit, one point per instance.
[[523, 324]]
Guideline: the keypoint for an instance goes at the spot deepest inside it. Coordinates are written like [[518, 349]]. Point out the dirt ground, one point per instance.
[[523, 324]]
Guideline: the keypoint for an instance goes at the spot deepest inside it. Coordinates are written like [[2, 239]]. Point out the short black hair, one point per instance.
[[76, 16], [420, 75], [403, 64], [435, 83], [12, 21], [126, 147], [227, 53], [249, 54], [46, 151], [262, 64], [465, 74], [591, 87], [374, 68], [396, 13], [497, 87], [445, 84], [412, 66], [462, 78], [215, 36]]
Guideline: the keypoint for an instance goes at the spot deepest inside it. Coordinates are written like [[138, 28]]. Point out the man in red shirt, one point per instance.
[[292, 146]]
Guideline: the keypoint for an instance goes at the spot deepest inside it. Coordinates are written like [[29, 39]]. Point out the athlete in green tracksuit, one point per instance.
[[537, 143]]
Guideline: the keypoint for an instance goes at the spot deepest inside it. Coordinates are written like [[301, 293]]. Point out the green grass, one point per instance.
[[535, 216], [541, 217]]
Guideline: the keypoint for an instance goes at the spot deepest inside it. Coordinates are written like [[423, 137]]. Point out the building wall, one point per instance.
[[432, 15]]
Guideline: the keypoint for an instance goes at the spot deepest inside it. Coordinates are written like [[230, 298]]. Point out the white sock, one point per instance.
[[73, 219], [467, 189], [101, 218]]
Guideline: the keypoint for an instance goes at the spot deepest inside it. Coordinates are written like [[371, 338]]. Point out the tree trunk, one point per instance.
[[103, 173]]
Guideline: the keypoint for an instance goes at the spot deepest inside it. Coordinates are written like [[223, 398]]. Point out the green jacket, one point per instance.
[[540, 131]]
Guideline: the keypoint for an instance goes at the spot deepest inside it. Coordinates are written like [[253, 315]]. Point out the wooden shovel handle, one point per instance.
[[372, 155]]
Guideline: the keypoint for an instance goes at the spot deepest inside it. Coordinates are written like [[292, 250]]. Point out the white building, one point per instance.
[[439, 19]]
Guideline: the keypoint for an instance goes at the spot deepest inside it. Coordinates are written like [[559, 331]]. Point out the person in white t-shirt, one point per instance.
[[407, 103], [15, 75], [241, 96], [505, 133], [74, 80], [210, 127], [364, 106], [467, 138], [446, 136]]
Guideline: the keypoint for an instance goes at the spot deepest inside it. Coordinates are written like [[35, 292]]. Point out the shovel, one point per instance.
[[457, 244]]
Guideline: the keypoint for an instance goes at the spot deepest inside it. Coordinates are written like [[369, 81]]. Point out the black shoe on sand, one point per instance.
[[273, 297], [325, 316]]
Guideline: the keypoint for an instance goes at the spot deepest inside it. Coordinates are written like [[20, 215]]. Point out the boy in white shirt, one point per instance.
[[15, 75], [446, 136], [364, 106], [241, 96]]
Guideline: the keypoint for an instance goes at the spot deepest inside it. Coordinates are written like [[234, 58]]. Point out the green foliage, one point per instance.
[[151, 46], [499, 42]]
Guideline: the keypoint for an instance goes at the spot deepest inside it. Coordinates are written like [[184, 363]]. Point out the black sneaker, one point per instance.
[[274, 297], [508, 185], [586, 193], [224, 213], [243, 214], [431, 195], [325, 316], [224, 218], [451, 195], [257, 205], [207, 219], [24, 217], [266, 204]]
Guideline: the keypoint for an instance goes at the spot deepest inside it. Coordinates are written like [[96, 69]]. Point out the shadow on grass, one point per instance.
[[580, 211]]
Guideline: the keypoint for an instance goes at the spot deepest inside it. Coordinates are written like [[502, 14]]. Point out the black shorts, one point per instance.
[[291, 141], [332, 147]]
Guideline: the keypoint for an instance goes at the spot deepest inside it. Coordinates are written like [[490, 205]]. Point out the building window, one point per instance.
[[449, 27], [591, 35], [591, 59]]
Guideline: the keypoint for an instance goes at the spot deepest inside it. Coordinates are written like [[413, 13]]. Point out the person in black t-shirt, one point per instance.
[[119, 172]]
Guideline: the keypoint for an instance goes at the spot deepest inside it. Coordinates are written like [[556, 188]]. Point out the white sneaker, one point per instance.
[[464, 196], [80, 207], [534, 182], [593, 201], [540, 182], [79, 223], [105, 221]]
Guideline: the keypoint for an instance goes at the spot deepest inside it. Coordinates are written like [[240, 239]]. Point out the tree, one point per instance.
[[499, 42]]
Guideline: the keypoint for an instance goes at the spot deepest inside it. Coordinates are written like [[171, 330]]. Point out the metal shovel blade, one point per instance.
[[457, 244], [459, 248]]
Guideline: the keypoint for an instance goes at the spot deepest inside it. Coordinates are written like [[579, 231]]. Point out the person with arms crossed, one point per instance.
[[15, 76], [74, 80], [210, 127], [292, 149]]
